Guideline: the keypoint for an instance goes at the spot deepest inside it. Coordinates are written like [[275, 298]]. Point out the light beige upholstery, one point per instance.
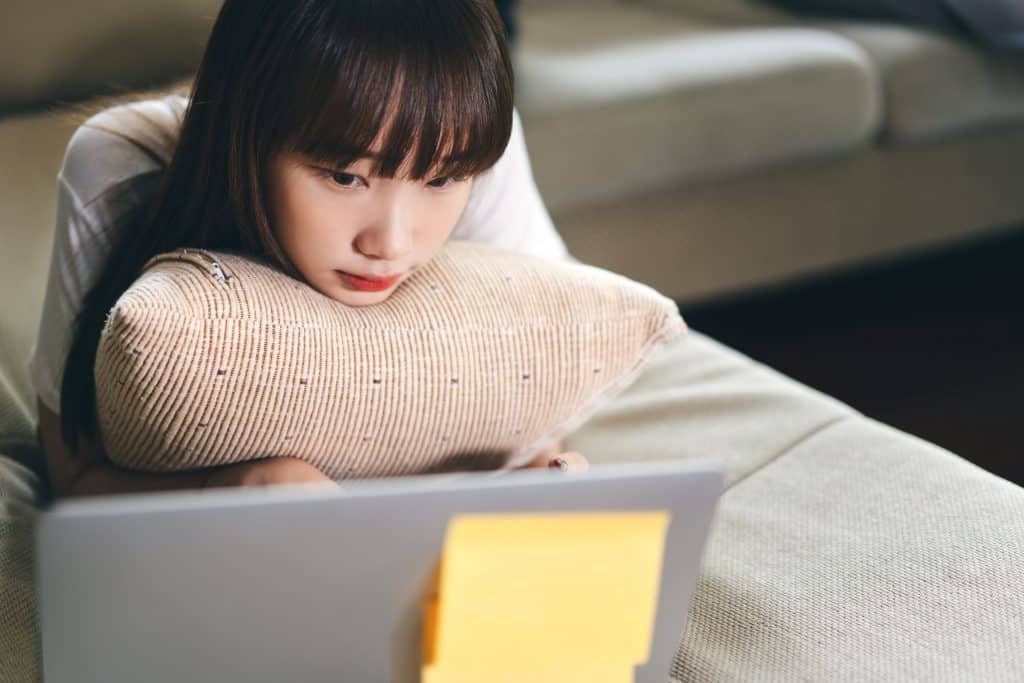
[[70, 50], [755, 230], [843, 550], [20, 495], [698, 399], [937, 86], [31, 149], [933, 84], [660, 160], [621, 99]]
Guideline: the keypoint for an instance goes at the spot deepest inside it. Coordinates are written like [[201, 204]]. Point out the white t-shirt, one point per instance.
[[104, 175]]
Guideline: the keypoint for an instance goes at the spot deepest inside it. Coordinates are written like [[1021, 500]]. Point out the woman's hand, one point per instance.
[[575, 462], [267, 472]]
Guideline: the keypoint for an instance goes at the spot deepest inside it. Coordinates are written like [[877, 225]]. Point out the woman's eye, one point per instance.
[[344, 179], [443, 181]]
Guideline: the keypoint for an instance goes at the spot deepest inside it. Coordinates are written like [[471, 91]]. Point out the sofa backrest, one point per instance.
[[746, 11], [32, 148], [54, 53], [70, 50]]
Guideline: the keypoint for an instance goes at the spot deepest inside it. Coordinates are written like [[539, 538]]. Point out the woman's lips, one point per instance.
[[366, 284]]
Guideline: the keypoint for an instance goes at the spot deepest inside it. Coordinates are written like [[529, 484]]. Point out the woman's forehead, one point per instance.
[[401, 138]]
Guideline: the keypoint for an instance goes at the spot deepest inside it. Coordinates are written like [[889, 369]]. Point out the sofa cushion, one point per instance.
[[937, 85], [842, 549], [862, 554], [698, 399], [934, 84], [619, 99]]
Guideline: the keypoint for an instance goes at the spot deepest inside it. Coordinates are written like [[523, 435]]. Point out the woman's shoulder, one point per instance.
[[119, 143], [506, 210]]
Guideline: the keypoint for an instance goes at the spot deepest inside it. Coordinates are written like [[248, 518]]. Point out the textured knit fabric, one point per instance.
[[21, 493], [104, 176], [19, 497], [478, 360], [844, 550], [861, 554]]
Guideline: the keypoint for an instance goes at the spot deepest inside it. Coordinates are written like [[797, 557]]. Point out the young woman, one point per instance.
[[344, 140]]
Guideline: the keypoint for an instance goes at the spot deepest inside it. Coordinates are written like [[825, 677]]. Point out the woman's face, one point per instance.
[[355, 237]]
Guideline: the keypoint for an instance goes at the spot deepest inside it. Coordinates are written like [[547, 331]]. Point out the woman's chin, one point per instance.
[[338, 290], [356, 298]]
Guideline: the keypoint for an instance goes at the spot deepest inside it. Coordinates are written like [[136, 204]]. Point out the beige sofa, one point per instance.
[[708, 147], [843, 549]]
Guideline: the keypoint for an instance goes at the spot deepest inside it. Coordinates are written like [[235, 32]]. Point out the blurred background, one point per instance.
[[835, 190]]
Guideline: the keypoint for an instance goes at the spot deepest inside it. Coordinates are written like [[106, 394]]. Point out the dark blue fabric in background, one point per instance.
[[508, 15], [997, 22]]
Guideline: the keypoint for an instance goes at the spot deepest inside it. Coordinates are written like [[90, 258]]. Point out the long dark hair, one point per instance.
[[320, 78]]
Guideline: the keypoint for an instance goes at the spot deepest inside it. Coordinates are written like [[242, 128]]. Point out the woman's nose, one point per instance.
[[387, 239]]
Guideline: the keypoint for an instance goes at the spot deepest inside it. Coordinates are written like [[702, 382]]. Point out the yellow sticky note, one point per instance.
[[502, 673], [551, 596]]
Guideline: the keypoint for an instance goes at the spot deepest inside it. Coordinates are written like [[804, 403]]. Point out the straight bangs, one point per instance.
[[400, 82]]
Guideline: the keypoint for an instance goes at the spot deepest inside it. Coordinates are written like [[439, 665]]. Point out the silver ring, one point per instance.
[[562, 463]]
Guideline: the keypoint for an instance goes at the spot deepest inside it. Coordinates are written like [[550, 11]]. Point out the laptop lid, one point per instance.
[[310, 583]]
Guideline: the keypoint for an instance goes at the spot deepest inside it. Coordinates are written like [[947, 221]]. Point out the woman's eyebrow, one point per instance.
[[341, 163], [338, 164]]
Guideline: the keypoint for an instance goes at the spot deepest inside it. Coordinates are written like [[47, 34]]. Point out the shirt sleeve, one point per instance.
[[505, 208], [102, 176]]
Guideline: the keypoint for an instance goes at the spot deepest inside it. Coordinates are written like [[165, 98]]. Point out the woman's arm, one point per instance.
[[89, 472]]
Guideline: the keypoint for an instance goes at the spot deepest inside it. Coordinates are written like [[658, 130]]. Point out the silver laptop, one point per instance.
[[298, 583]]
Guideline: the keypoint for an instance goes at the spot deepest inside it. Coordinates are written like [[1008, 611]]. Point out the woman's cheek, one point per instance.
[[454, 205], [328, 221]]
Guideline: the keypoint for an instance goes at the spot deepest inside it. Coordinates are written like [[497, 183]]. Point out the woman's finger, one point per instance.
[[570, 461]]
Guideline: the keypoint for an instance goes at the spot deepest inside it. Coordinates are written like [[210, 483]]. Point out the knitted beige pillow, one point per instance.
[[479, 360]]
